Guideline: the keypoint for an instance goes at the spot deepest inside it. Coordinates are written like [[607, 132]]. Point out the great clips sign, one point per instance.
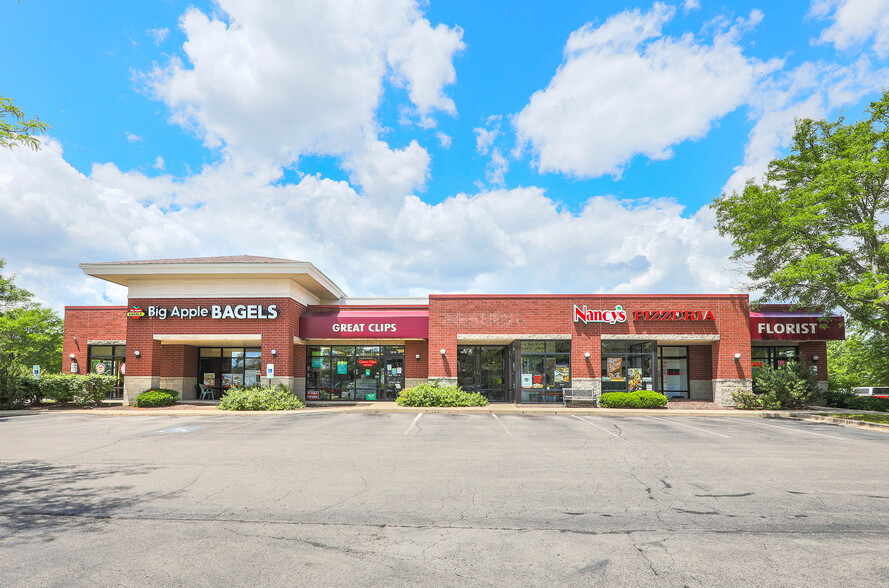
[[407, 324], [776, 326]]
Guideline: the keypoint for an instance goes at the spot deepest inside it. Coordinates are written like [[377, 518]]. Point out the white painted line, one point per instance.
[[413, 423], [689, 427], [789, 430], [597, 426], [499, 422]]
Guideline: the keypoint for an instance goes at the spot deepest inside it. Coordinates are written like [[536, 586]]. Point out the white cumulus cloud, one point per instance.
[[855, 22], [626, 89]]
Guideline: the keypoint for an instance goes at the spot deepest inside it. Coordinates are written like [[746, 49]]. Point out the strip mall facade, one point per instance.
[[200, 325]]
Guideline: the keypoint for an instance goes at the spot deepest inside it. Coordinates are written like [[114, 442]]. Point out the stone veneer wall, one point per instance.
[[722, 390]]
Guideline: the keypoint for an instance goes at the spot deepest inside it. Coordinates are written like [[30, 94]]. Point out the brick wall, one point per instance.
[[412, 367], [528, 314], [175, 361], [810, 349], [85, 323], [700, 366]]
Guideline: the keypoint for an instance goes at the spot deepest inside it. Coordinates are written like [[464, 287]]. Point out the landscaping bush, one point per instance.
[[846, 399], [793, 385], [255, 398], [94, 388], [13, 393], [61, 388], [748, 400], [156, 397], [638, 399], [437, 394]]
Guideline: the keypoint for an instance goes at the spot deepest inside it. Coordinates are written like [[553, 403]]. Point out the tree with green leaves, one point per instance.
[[815, 232], [16, 129], [861, 360], [29, 332]]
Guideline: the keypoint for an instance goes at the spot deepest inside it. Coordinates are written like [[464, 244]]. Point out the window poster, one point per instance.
[[249, 378], [614, 369], [210, 379], [342, 367], [226, 379], [538, 381], [237, 379], [635, 379], [563, 374], [317, 362], [526, 380]]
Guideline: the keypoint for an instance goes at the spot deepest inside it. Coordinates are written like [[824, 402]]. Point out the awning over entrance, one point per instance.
[[205, 340], [795, 326], [364, 324]]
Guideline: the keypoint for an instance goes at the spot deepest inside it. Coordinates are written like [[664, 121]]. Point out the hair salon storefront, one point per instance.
[[202, 325]]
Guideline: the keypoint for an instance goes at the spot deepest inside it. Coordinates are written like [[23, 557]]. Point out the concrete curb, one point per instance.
[[853, 424], [376, 408]]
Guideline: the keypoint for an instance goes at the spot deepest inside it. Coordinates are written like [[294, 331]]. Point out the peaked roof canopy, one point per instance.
[[229, 266]]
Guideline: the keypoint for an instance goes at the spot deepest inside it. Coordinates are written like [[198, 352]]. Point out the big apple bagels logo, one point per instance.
[[136, 312]]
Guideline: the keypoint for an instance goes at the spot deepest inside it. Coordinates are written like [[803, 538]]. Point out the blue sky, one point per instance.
[[407, 147]]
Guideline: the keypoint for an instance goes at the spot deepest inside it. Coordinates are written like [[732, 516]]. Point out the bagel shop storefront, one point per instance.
[[202, 325]]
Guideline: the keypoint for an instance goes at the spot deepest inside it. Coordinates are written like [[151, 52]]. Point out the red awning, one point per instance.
[[795, 326]]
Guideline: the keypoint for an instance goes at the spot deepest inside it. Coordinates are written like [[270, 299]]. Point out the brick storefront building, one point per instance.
[[201, 325]]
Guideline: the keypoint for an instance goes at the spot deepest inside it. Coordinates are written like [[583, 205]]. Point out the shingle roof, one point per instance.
[[218, 259]]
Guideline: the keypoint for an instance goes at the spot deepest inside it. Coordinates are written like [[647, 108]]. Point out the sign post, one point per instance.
[[269, 372], [36, 369]]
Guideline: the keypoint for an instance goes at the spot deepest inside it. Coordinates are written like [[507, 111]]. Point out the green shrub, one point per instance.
[[62, 388], [156, 397], [638, 399], [846, 399], [255, 398], [94, 388], [13, 392], [748, 400], [438, 394], [793, 385]]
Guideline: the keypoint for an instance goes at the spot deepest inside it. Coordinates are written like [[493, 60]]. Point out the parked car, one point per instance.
[[875, 391]]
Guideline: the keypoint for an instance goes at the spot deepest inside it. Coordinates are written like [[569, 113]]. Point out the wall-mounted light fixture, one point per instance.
[[136, 353], [418, 357], [737, 356], [815, 358], [71, 356], [442, 351], [587, 355], [274, 352]]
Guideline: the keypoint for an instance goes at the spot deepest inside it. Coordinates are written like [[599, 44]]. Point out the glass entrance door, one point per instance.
[[394, 377], [367, 378]]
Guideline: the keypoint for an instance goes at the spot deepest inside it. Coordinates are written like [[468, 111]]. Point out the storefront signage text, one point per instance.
[[585, 316], [365, 327], [673, 315], [216, 311]]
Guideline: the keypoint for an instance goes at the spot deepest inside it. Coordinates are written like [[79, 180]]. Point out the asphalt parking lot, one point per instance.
[[388, 499]]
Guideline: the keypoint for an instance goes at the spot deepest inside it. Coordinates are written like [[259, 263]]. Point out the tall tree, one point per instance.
[[16, 128], [29, 332], [815, 231]]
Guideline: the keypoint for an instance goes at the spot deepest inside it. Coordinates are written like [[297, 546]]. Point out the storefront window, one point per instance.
[[346, 372], [773, 356], [108, 360], [220, 368], [546, 370], [482, 369], [627, 366]]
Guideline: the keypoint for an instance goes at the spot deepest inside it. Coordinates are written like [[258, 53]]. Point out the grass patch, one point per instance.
[[883, 419]]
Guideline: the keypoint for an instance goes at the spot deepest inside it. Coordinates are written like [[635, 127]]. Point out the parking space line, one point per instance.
[[413, 424], [499, 422], [689, 427], [789, 430], [598, 427]]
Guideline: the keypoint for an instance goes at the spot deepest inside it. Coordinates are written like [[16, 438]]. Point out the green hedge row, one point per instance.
[[255, 398], [638, 399], [437, 394], [156, 397], [844, 399], [19, 389]]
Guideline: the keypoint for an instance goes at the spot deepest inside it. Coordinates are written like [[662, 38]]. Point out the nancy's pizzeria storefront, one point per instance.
[[202, 325]]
